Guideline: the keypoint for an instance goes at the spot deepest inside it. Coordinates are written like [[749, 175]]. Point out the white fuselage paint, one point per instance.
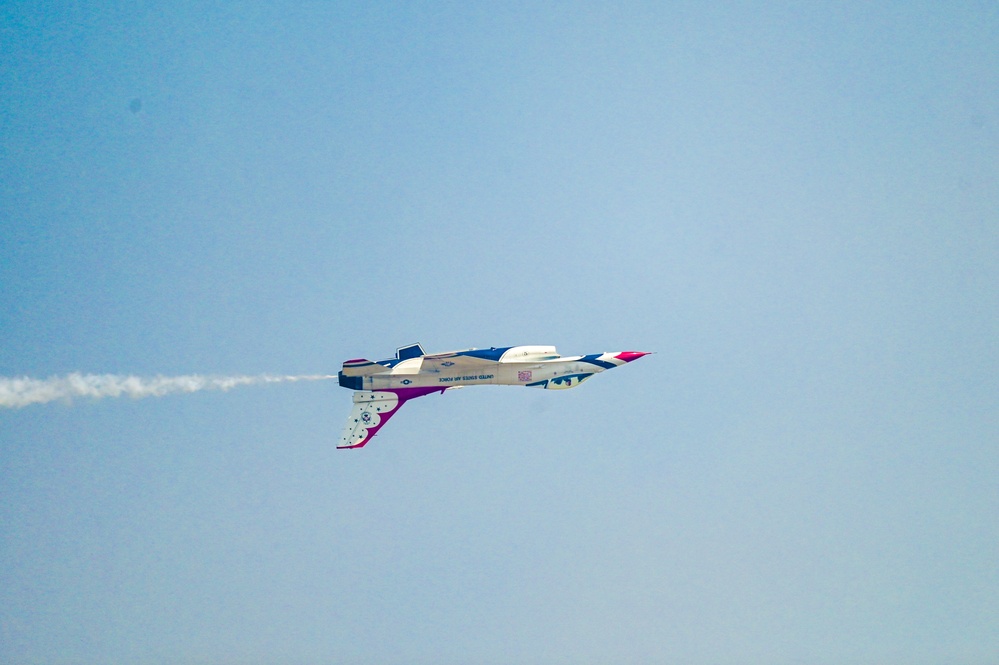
[[412, 374]]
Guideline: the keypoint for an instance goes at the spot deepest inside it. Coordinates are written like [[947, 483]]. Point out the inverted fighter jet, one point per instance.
[[381, 388]]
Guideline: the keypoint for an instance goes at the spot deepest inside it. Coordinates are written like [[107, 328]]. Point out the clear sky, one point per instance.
[[796, 205]]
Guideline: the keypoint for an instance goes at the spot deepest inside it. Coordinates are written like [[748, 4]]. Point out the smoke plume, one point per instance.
[[18, 392]]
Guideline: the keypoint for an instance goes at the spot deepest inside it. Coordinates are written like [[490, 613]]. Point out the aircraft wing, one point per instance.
[[372, 409], [461, 360]]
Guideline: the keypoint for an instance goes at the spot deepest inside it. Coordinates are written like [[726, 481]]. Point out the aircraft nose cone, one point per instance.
[[628, 356]]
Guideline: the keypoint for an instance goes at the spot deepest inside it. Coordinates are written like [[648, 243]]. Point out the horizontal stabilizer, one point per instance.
[[407, 352], [362, 367]]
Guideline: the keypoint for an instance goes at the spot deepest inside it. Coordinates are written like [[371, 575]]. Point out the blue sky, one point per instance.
[[794, 206]]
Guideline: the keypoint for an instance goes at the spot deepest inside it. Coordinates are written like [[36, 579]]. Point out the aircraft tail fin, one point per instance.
[[372, 409]]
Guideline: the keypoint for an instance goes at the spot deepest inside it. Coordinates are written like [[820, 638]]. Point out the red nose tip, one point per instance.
[[628, 356]]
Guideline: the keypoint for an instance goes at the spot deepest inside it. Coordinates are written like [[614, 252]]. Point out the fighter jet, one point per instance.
[[381, 388]]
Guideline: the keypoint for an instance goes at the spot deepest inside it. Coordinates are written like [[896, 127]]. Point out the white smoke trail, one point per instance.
[[19, 392]]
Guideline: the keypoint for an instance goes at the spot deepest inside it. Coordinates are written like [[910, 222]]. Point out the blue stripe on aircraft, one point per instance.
[[593, 360], [493, 354]]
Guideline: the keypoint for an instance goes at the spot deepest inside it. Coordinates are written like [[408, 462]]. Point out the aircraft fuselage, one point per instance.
[[384, 386]]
